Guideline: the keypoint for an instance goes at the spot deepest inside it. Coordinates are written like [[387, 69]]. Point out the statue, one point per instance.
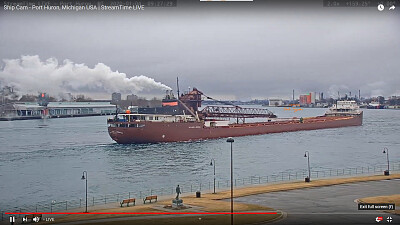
[[176, 202], [178, 191]]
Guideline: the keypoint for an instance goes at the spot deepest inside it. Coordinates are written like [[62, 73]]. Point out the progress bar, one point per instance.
[[138, 213], [226, 0]]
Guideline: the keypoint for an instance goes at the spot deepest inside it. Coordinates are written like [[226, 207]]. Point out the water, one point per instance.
[[43, 160]]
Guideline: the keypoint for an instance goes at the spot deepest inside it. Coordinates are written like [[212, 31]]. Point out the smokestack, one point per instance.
[[293, 95], [177, 85], [359, 94]]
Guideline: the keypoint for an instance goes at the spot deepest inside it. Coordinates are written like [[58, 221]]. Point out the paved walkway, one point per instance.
[[328, 205]]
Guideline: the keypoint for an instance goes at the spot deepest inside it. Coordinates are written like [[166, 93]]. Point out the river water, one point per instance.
[[43, 160]]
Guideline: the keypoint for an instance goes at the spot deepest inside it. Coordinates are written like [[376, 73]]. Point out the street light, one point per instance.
[[83, 178], [230, 140], [211, 163], [307, 155], [386, 150]]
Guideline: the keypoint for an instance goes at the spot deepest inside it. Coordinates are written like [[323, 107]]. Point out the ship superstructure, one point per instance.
[[344, 108]]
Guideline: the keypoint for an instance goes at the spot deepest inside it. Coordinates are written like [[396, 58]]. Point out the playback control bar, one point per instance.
[[376, 206]]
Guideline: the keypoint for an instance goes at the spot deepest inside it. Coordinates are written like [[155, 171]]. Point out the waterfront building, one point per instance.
[[312, 95], [32, 110], [275, 102]]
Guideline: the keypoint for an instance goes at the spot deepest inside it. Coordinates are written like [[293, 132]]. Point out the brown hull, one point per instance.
[[155, 132]]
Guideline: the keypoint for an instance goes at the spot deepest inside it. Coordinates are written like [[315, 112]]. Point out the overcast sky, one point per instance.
[[229, 53]]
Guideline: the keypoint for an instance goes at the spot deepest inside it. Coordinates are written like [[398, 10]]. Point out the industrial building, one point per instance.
[[307, 99]]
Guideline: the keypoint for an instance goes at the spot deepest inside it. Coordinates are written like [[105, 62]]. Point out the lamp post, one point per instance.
[[85, 178], [230, 140], [386, 150], [213, 164], [307, 155]]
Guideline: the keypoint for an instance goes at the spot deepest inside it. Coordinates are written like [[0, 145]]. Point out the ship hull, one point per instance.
[[156, 132]]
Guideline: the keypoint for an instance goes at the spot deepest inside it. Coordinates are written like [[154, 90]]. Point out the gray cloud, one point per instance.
[[248, 53]]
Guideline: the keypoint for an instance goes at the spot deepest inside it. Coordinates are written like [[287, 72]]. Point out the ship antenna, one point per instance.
[[177, 85]]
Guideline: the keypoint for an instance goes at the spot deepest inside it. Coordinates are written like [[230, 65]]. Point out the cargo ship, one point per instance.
[[179, 119]]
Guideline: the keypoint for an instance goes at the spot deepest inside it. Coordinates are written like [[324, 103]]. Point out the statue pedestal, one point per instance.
[[177, 202]]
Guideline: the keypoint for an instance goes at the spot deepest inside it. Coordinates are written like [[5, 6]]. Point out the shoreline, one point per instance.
[[212, 203]]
